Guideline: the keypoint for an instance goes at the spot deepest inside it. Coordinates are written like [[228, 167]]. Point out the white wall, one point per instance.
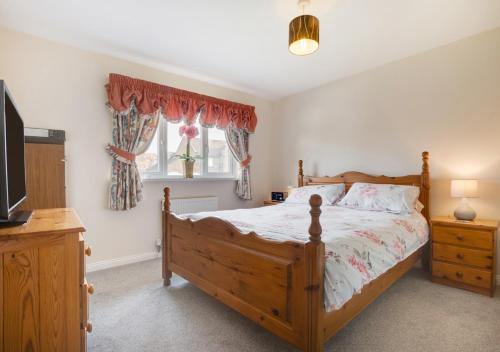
[[60, 87], [446, 101]]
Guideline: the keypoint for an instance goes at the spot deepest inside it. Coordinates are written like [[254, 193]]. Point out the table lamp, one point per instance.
[[464, 189]]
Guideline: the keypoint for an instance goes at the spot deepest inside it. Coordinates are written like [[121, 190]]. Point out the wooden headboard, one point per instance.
[[351, 177]]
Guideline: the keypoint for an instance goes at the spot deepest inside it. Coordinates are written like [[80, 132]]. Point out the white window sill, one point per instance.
[[182, 179]]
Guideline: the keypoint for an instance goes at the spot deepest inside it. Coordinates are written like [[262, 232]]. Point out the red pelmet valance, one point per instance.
[[177, 104]]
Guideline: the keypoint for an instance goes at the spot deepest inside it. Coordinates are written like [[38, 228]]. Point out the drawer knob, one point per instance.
[[88, 326], [90, 289], [460, 256], [88, 251], [459, 274], [460, 237]]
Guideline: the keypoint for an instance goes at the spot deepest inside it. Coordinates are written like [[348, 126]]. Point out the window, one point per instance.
[[210, 146]]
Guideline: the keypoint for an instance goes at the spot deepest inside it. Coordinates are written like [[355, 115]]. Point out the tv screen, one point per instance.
[[14, 131], [12, 177]]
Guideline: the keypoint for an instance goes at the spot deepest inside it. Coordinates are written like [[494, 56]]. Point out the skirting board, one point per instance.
[[111, 263]]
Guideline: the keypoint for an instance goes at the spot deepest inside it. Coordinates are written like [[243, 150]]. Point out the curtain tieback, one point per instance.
[[122, 153], [246, 162]]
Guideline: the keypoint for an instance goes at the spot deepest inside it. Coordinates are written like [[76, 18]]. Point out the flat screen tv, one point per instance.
[[12, 171]]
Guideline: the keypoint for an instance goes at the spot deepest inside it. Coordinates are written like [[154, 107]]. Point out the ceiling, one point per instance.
[[242, 44]]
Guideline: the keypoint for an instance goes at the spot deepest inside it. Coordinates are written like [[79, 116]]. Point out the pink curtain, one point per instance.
[[177, 104]]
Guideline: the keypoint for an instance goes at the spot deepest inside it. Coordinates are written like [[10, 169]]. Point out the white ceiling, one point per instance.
[[243, 43]]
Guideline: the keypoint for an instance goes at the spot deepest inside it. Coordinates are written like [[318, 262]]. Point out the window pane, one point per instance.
[[219, 155], [176, 145], [149, 161]]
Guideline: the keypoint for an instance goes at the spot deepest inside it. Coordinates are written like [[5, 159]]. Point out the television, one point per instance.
[[12, 170]]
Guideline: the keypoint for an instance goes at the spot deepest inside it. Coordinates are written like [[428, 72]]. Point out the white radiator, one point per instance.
[[193, 205]]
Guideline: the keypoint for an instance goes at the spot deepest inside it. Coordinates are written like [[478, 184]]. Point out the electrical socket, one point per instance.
[[158, 244]]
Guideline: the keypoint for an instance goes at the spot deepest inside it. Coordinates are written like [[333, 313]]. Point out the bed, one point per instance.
[[284, 283]]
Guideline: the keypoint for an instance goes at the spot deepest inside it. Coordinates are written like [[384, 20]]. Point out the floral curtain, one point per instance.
[[136, 106], [237, 140], [132, 134]]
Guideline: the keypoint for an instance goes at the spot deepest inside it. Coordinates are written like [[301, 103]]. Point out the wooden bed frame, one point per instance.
[[279, 285]]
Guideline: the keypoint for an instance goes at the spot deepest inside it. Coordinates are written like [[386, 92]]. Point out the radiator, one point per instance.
[[193, 205]]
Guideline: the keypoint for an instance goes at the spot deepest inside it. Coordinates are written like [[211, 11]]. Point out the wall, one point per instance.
[[446, 101], [61, 87]]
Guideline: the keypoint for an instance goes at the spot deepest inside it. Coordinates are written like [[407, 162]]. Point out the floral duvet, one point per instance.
[[359, 245]]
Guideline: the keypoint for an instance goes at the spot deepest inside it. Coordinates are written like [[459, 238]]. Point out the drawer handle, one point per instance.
[[460, 274], [460, 256], [88, 251], [479, 278], [460, 237], [88, 327], [90, 289]]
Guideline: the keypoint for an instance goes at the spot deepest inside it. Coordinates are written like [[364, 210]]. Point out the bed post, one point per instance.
[[167, 274], [315, 259], [426, 212], [426, 186], [301, 175]]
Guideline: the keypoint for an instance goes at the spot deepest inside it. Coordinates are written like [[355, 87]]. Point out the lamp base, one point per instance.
[[464, 212]]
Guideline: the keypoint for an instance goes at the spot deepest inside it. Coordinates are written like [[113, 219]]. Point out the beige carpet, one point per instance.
[[132, 311]]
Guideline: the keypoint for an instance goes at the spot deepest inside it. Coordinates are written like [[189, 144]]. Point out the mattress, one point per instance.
[[359, 245]]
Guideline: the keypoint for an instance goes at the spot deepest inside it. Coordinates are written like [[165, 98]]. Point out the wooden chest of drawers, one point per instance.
[[464, 254], [43, 291]]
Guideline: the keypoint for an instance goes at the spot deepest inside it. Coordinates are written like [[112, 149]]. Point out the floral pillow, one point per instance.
[[329, 193], [381, 197]]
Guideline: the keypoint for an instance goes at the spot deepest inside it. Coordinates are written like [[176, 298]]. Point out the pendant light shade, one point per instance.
[[303, 35]]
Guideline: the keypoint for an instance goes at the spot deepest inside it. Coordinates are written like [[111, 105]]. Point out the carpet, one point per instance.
[[131, 310]]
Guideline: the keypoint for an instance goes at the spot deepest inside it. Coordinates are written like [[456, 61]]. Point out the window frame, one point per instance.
[[162, 174]]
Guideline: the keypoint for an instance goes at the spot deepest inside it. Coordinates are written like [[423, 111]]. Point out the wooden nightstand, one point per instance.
[[271, 202], [464, 254]]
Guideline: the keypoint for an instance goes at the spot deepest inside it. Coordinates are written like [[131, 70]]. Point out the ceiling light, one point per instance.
[[303, 33]]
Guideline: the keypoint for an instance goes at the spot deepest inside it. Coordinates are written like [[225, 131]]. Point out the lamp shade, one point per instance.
[[303, 35], [464, 188]]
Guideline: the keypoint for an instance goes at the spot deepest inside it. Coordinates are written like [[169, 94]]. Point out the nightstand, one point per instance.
[[271, 202], [464, 254]]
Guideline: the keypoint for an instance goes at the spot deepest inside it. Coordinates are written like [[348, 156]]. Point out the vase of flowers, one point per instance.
[[190, 132]]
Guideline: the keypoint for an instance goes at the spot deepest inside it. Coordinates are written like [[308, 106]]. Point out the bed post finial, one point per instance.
[[166, 204], [425, 163], [315, 228], [167, 274], [301, 175]]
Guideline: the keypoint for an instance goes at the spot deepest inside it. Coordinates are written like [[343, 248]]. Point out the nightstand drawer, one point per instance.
[[474, 277], [463, 237], [461, 255]]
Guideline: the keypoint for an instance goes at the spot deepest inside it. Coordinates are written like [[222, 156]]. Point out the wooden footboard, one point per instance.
[[279, 285]]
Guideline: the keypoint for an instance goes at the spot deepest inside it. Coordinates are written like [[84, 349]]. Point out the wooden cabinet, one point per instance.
[[43, 291], [464, 254], [45, 176]]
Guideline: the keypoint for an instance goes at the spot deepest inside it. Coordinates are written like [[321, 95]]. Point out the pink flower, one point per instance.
[[368, 191], [190, 131], [398, 248], [359, 265], [408, 227], [372, 236]]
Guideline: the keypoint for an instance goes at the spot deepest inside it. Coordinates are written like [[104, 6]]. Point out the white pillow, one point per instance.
[[329, 193], [381, 197]]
